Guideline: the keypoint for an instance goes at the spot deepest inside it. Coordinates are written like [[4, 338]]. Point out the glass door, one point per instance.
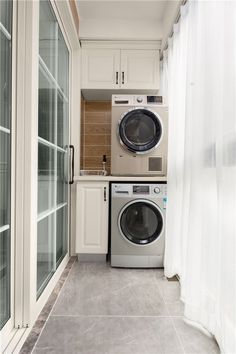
[[140, 222], [5, 160], [53, 144], [140, 130]]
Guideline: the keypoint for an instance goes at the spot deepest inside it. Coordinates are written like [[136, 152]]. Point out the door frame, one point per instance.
[[24, 160]]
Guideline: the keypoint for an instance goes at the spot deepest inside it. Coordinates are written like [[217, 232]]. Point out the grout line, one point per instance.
[[172, 320], [41, 331], [115, 316]]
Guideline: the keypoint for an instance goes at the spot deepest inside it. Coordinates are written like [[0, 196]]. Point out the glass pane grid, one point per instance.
[[53, 143]]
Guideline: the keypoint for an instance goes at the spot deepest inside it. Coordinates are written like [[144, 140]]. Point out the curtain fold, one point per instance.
[[201, 213]]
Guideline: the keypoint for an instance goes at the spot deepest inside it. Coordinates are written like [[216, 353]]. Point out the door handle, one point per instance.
[[123, 77], [72, 169], [105, 194], [117, 78]]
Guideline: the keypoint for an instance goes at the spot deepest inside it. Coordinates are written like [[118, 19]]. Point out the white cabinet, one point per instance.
[[100, 68], [92, 217], [140, 69], [120, 69]]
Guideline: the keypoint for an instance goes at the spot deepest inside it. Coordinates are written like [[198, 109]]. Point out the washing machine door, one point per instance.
[[140, 222], [140, 130]]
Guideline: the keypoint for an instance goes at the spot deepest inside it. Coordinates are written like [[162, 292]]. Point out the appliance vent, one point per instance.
[[155, 164]]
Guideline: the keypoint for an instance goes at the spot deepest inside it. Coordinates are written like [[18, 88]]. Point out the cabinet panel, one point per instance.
[[139, 69], [92, 217], [100, 68]]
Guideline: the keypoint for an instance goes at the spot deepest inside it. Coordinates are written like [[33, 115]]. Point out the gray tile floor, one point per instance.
[[104, 310]]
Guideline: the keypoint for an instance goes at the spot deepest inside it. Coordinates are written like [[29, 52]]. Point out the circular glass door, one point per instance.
[[140, 130], [140, 222]]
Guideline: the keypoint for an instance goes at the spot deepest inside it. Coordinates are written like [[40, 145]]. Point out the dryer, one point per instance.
[[139, 136], [138, 214]]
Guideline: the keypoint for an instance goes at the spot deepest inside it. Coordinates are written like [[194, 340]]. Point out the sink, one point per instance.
[[93, 173]]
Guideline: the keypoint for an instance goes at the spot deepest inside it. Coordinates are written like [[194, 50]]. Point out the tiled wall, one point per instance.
[[95, 134]]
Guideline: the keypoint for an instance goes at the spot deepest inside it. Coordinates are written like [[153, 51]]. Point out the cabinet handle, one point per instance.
[[105, 194], [72, 164], [123, 77], [117, 78]]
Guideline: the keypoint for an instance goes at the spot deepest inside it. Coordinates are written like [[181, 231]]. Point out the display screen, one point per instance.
[[154, 99], [141, 189]]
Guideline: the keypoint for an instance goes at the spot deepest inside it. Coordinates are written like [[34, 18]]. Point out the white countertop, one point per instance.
[[93, 178]]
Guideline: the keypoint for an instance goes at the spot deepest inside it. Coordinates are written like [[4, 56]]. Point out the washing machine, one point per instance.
[[139, 136], [138, 214]]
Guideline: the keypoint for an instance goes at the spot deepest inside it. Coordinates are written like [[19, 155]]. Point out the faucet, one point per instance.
[[104, 160]]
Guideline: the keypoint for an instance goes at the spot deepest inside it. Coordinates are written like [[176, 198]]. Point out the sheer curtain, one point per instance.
[[201, 214]]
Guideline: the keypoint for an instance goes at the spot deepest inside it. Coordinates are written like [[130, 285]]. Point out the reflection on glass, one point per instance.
[[5, 160], [5, 81], [140, 129], [46, 107], [48, 42], [62, 175], [141, 223], [62, 122], [4, 277], [5, 175], [63, 65], [62, 233], [46, 177], [6, 14], [45, 252]]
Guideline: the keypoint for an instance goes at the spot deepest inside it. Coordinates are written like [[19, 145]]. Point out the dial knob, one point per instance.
[[157, 190], [139, 99]]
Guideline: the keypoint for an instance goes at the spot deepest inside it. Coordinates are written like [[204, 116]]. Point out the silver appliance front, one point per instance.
[[138, 136], [137, 225]]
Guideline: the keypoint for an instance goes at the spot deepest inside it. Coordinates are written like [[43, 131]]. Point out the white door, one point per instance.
[[92, 217], [100, 68], [53, 144], [140, 69]]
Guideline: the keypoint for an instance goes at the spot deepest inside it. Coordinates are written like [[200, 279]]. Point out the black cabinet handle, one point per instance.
[[123, 77], [117, 78], [72, 164], [105, 194]]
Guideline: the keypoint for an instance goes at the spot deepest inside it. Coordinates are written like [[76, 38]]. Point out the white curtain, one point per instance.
[[201, 213]]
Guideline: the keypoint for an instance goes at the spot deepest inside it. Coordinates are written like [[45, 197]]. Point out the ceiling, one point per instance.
[[128, 10], [125, 20]]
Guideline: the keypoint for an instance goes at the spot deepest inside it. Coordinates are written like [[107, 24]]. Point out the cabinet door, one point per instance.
[[140, 69], [100, 68], [92, 217]]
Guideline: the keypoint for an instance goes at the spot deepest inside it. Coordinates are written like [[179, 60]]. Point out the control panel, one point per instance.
[[158, 190], [136, 100]]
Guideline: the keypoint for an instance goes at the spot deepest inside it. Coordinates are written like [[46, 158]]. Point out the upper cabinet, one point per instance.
[[118, 68], [139, 69], [100, 68]]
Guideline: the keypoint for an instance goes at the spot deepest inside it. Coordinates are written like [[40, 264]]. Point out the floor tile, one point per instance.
[[109, 335], [170, 291], [193, 340], [98, 289]]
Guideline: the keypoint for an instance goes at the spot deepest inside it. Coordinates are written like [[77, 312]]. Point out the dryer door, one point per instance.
[[140, 130], [141, 222]]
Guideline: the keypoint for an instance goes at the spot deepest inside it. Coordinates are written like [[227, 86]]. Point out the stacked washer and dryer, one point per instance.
[[139, 141]]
